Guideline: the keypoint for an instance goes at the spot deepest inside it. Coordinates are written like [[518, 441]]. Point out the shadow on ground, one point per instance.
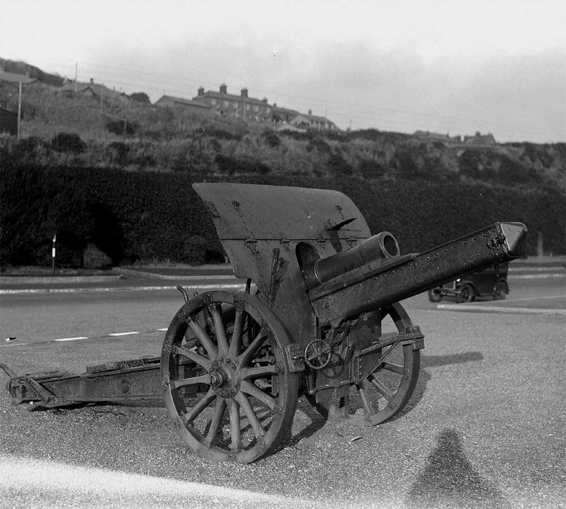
[[433, 361], [450, 480], [313, 419]]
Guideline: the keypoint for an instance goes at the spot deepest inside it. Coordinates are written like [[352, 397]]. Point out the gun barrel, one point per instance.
[[382, 245], [385, 281]]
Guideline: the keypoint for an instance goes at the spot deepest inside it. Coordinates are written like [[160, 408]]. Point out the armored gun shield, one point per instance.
[[273, 233]]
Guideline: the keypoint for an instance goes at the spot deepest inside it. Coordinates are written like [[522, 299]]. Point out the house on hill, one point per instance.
[[92, 90], [8, 122], [480, 139], [242, 107], [283, 114], [184, 104], [313, 122]]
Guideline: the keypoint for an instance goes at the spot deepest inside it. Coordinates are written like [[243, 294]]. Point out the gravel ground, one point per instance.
[[486, 429]]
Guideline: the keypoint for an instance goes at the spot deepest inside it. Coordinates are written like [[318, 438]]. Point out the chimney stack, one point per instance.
[[244, 92], [310, 113], [200, 91], [223, 89]]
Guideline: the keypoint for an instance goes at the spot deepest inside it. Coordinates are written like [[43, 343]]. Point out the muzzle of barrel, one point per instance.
[[383, 245]]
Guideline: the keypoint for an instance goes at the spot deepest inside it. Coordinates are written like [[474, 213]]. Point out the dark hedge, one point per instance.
[[157, 216]]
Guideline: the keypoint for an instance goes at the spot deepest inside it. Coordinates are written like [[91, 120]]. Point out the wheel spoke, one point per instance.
[[382, 388], [234, 426], [250, 414], [258, 394], [200, 406], [365, 400], [203, 338], [190, 354], [259, 371], [395, 368], [215, 423], [236, 334], [252, 348], [202, 379], [219, 329]]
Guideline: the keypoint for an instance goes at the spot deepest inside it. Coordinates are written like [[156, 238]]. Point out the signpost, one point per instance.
[[53, 252]]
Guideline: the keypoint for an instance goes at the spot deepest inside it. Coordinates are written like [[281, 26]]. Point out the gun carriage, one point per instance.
[[319, 316]]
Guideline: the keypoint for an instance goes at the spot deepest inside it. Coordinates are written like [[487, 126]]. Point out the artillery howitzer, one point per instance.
[[319, 317]]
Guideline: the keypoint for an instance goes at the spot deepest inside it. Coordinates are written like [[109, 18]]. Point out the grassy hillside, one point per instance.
[[124, 133]]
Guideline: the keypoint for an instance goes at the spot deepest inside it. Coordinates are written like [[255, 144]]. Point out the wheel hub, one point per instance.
[[217, 378], [224, 379]]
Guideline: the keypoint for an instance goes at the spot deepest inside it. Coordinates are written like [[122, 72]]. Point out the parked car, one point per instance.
[[490, 282]]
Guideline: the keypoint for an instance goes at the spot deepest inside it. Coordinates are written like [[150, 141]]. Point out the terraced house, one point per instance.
[[244, 107]]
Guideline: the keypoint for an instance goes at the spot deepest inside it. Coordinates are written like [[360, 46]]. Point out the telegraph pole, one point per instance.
[[19, 128]]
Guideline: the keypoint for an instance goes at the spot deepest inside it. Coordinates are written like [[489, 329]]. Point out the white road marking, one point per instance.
[[500, 309], [224, 286], [14, 343], [108, 486]]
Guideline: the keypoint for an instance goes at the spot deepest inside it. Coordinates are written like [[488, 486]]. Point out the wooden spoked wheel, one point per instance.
[[393, 371], [226, 378]]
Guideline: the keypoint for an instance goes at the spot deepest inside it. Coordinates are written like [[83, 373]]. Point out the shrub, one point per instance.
[[121, 127], [140, 97], [221, 134], [405, 163], [118, 153], [337, 165], [68, 142], [271, 139], [319, 144], [370, 169], [27, 150], [232, 165]]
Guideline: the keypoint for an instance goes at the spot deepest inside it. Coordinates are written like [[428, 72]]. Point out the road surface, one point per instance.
[[486, 428]]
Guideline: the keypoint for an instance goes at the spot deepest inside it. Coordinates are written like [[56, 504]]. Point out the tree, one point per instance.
[[140, 97]]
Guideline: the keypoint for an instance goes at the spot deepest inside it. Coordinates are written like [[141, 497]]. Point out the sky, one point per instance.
[[452, 67]]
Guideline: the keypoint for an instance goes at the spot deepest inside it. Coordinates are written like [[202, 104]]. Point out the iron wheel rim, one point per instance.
[[246, 402]]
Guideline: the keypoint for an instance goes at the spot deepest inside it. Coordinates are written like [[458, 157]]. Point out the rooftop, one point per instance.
[[233, 97], [181, 100]]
